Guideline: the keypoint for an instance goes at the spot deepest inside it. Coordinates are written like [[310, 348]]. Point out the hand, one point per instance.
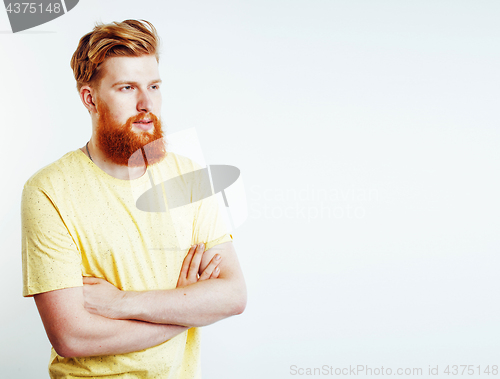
[[101, 297], [191, 267]]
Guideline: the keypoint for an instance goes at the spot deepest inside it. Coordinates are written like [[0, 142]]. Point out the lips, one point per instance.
[[145, 124]]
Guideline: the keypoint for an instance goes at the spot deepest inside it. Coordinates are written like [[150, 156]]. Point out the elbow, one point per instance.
[[240, 308], [69, 352], [66, 347], [240, 304], [63, 350]]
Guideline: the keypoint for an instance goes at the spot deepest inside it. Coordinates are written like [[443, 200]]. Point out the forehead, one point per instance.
[[137, 69]]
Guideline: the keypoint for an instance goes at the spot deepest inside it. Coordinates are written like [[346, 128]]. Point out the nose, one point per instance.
[[144, 102]]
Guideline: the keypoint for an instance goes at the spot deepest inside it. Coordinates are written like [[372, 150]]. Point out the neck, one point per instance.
[[110, 168]]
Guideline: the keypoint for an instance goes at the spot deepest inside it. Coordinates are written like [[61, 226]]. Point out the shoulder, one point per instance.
[[56, 172]]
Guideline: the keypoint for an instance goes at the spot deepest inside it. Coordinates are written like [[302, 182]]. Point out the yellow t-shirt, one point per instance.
[[79, 221]]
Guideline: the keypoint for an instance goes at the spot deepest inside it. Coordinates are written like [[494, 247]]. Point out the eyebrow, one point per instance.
[[122, 82]]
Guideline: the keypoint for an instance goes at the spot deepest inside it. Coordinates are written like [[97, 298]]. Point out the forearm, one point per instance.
[[74, 332], [195, 301], [103, 336], [198, 304]]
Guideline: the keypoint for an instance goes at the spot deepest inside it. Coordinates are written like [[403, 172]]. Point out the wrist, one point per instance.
[[125, 306]]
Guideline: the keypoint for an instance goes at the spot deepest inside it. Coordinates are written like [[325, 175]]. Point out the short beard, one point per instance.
[[122, 146]]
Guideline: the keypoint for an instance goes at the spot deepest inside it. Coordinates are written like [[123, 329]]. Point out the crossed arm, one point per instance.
[[99, 319]]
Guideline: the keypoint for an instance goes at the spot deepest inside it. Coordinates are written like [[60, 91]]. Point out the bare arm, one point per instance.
[[74, 332], [198, 303]]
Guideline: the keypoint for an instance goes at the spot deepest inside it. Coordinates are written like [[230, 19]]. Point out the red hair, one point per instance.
[[131, 38]]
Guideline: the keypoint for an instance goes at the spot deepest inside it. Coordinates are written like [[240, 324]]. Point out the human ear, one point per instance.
[[87, 96]]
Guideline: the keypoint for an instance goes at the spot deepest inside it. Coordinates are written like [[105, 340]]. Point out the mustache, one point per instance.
[[148, 117]]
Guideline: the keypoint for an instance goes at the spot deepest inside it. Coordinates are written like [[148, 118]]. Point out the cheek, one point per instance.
[[120, 114], [157, 106]]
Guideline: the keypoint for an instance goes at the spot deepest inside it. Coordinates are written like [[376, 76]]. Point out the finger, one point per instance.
[[216, 273], [187, 262], [211, 268], [195, 263]]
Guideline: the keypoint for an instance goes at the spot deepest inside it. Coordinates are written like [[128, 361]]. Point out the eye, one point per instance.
[[155, 86], [126, 88]]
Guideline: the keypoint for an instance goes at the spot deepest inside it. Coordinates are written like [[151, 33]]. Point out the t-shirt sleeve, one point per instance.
[[51, 259], [210, 227]]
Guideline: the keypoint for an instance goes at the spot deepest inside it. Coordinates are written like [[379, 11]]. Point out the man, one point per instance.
[[119, 290]]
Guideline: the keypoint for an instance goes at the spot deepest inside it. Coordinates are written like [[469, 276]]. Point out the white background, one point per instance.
[[367, 133]]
